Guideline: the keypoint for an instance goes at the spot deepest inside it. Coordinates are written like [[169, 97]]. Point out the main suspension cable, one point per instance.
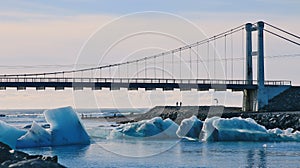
[[282, 37]]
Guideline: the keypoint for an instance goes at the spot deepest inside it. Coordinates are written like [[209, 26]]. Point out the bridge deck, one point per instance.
[[132, 83]]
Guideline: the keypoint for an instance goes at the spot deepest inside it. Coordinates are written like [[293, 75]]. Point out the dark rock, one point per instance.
[[36, 163], [281, 120], [7, 163], [13, 158], [52, 159], [4, 150], [34, 156]]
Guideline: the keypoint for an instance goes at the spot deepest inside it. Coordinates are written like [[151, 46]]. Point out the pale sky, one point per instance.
[[45, 36]]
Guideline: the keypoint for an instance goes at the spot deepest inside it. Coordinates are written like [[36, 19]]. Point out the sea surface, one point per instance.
[[137, 152]]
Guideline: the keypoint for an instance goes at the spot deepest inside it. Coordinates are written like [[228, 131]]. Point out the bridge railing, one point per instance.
[[142, 80]]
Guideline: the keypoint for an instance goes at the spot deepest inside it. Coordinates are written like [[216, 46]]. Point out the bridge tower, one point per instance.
[[255, 99]]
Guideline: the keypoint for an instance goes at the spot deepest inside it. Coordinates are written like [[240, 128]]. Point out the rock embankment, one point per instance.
[[178, 113], [270, 120], [285, 101], [13, 158]]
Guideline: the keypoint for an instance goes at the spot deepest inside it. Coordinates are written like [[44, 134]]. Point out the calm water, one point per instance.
[[124, 153], [161, 153]]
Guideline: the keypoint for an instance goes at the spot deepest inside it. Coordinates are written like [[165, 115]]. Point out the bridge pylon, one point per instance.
[[249, 98], [256, 99]]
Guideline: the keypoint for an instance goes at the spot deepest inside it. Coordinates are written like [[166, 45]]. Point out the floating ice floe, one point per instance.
[[65, 129], [284, 135], [35, 136], [190, 128], [10, 134], [233, 129], [212, 129], [154, 128], [239, 129]]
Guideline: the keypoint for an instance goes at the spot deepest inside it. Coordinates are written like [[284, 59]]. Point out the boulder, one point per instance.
[[13, 158]]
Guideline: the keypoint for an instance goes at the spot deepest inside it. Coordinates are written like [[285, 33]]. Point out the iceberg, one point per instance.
[[10, 134], [239, 129], [209, 132], [284, 135], [212, 129], [66, 127], [36, 136], [233, 129], [190, 128], [154, 128]]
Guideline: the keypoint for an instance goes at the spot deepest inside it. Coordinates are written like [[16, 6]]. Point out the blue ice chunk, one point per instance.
[[10, 134], [36, 136], [66, 127], [190, 128]]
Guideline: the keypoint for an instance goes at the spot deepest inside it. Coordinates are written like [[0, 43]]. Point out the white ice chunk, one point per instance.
[[10, 134], [66, 127], [209, 131], [289, 134], [234, 129], [154, 128], [36, 136], [170, 128], [190, 128], [238, 129]]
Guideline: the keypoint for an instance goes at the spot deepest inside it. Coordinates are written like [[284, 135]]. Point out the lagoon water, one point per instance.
[[179, 154], [132, 152]]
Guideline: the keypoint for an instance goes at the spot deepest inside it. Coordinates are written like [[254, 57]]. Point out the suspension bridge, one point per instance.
[[193, 66]]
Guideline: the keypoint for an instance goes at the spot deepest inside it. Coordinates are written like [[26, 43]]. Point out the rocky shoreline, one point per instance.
[[270, 120], [282, 120], [13, 158]]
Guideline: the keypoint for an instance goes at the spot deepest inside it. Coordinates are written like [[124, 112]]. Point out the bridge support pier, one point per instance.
[[249, 100]]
